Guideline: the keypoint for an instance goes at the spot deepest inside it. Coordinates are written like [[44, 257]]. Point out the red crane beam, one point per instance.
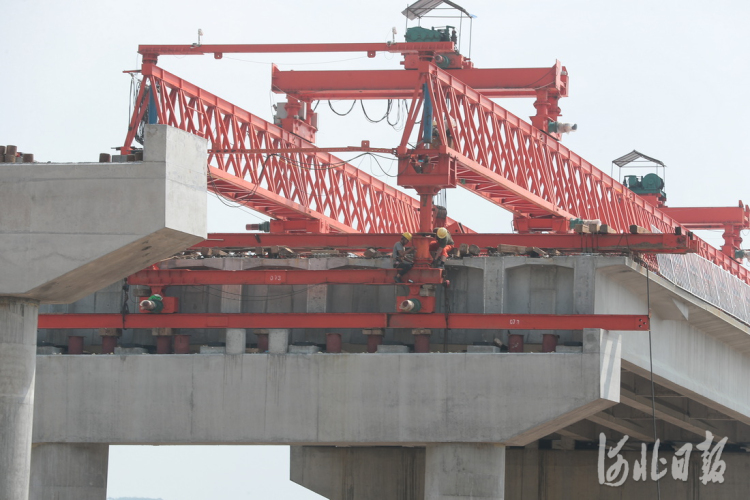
[[612, 322], [150, 53], [400, 84], [710, 217], [570, 242], [186, 277], [304, 185]]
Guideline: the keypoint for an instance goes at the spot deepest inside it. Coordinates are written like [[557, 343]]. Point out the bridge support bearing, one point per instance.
[[69, 471], [18, 325]]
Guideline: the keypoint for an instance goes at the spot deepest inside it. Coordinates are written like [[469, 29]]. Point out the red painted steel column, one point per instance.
[[163, 340], [421, 340], [75, 344], [374, 338], [515, 342], [549, 342], [422, 243], [109, 339], [333, 343], [182, 344], [163, 344], [262, 335], [108, 344]]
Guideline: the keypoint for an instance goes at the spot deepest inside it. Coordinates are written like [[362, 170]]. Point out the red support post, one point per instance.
[[109, 343], [549, 342], [515, 342], [333, 343], [75, 344], [182, 344], [163, 344]]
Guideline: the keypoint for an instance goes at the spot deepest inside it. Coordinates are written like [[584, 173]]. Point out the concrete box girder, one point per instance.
[[68, 230]]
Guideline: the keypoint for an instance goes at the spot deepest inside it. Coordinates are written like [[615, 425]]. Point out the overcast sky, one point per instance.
[[660, 76]]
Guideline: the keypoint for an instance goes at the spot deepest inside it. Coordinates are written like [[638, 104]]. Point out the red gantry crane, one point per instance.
[[455, 136]]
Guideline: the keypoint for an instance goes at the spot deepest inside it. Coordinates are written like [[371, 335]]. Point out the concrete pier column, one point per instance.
[[235, 340], [457, 470], [18, 324], [69, 472], [278, 340]]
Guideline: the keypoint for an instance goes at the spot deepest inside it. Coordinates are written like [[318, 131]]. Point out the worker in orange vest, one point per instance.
[[440, 247]]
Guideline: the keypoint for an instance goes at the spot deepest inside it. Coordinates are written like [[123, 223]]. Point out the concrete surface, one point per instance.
[[315, 399], [84, 226], [212, 349], [392, 349], [482, 349], [69, 472], [471, 471], [304, 349], [703, 356], [364, 473], [18, 321]]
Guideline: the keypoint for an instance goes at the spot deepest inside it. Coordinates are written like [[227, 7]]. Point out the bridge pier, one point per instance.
[[69, 471], [465, 470], [18, 322]]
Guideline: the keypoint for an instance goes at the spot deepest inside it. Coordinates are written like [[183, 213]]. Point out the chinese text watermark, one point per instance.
[[712, 469]]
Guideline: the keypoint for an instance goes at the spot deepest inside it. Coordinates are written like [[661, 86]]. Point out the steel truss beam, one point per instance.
[[308, 185], [612, 322], [521, 168], [602, 243]]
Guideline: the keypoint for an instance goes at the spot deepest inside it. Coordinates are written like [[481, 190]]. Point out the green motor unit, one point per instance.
[[420, 34], [648, 184]]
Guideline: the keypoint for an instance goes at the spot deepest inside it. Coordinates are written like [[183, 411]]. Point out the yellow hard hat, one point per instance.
[[407, 235], [442, 232]]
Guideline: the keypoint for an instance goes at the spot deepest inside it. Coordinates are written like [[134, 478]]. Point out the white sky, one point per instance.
[[663, 77]]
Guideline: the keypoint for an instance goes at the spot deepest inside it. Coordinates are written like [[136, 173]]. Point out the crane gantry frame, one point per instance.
[[466, 140]]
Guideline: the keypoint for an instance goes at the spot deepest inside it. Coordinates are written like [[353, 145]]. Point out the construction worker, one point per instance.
[[402, 257], [440, 248]]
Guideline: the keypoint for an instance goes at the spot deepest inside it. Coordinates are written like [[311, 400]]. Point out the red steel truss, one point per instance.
[[527, 171], [304, 185], [479, 145], [613, 322]]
